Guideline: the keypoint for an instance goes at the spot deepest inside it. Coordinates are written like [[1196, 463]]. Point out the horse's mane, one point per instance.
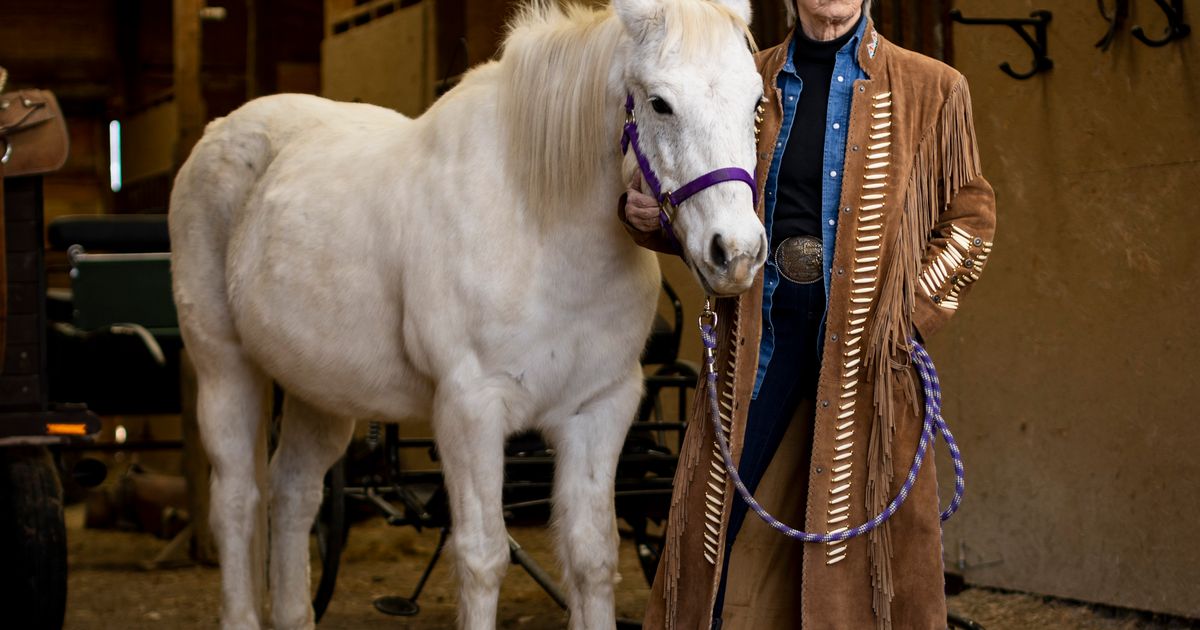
[[555, 97]]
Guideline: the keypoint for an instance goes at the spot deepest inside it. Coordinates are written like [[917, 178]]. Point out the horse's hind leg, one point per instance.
[[310, 442], [587, 446], [469, 424], [230, 405]]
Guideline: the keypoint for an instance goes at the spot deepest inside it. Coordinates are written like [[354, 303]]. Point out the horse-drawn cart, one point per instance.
[[33, 576]]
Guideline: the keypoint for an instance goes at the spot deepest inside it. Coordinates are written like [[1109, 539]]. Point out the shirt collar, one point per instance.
[[851, 47]]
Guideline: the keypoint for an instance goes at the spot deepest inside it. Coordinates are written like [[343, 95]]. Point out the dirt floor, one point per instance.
[[110, 588]]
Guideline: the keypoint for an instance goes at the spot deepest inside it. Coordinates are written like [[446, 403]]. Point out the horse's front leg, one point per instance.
[[310, 442], [469, 424], [587, 447]]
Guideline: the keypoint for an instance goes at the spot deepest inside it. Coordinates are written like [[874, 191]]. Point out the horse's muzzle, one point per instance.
[[734, 277]]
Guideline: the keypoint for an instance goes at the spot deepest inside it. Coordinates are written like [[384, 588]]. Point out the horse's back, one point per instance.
[[216, 186], [284, 117], [275, 249], [237, 150]]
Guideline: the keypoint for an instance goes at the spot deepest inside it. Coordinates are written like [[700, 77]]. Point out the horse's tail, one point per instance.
[[217, 179], [221, 171], [211, 189]]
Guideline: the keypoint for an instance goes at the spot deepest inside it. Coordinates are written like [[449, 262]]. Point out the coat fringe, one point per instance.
[[946, 159], [688, 457], [694, 448]]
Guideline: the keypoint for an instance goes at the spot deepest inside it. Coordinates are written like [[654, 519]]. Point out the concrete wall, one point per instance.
[[1071, 373]]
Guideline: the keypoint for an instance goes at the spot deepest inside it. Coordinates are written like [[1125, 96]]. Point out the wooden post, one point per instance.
[[769, 25], [251, 49], [919, 26], [189, 99]]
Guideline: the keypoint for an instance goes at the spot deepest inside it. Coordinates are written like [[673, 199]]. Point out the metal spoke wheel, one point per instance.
[[649, 551], [329, 536], [329, 530]]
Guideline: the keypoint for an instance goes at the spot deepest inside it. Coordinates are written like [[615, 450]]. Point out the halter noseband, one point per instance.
[[668, 202]]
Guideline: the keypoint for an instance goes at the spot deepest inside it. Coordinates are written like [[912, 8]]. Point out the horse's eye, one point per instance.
[[660, 105]]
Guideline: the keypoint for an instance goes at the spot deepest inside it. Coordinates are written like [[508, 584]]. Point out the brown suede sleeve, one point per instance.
[[962, 240], [656, 241]]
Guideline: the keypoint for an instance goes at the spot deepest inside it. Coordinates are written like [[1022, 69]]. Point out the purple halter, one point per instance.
[[669, 201]]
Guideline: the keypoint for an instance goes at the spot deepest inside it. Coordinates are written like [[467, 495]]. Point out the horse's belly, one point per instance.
[[351, 372], [328, 331]]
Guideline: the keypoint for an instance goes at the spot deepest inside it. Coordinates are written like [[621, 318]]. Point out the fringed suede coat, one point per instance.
[[915, 229]]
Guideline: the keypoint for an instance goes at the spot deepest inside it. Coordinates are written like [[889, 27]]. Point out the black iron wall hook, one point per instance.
[[1176, 29], [1038, 19], [1119, 15]]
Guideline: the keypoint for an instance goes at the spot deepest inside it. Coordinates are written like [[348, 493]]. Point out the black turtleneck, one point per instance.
[[798, 190]]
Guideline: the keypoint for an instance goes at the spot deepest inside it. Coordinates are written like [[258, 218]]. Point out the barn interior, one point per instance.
[[1069, 377]]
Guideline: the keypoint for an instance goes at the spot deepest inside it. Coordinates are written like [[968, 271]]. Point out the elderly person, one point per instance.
[[879, 221]]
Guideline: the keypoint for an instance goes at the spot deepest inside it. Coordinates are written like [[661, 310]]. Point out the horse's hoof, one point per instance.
[[241, 622]]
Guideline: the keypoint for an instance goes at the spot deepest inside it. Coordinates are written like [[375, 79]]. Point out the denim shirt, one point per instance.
[[845, 72]]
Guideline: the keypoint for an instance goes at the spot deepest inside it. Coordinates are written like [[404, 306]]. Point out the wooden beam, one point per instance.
[[188, 96], [918, 25], [769, 25], [251, 49]]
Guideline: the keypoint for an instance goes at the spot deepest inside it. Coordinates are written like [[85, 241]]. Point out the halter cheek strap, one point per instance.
[[669, 201]]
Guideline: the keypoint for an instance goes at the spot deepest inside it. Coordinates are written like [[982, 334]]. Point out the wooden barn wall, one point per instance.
[[1071, 374], [148, 142], [113, 59], [68, 47], [387, 60]]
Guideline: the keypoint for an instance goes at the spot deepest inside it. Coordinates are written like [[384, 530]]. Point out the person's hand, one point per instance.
[[639, 214], [641, 210]]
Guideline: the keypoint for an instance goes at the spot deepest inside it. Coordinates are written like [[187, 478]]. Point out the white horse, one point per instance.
[[464, 267]]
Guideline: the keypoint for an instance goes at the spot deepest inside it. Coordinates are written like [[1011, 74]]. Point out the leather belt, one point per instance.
[[799, 259]]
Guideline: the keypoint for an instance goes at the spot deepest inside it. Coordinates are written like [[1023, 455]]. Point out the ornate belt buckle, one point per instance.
[[799, 259]]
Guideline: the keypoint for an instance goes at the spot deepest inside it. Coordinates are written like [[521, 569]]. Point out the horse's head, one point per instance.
[[695, 93]]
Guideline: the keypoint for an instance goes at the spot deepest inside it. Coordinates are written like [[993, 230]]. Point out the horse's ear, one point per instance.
[[740, 7], [637, 15]]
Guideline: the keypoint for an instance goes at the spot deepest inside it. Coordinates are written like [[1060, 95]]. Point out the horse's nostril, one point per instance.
[[717, 252]]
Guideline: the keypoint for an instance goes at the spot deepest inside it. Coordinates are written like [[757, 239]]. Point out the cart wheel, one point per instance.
[[649, 552], [330, 532], [33, 540], [649, 548], [958, 621]]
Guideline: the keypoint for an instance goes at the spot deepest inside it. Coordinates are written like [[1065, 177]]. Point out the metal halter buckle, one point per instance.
[[708, 324], [669, 209]]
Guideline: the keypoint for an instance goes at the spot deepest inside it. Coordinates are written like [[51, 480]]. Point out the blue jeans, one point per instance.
[[791, 378]]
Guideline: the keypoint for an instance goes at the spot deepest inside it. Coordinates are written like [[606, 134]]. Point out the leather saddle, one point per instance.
[[33, 140]]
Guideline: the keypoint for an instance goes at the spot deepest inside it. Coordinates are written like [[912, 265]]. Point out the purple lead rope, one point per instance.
[[933, 420]]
